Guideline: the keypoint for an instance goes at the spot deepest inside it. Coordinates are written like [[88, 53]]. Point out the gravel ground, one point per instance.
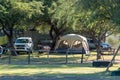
[[55, 78]]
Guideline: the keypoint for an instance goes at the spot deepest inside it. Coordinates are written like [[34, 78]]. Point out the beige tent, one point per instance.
[[73, 42]]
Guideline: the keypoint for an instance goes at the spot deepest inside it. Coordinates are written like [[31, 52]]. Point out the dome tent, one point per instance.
[[73, 42]]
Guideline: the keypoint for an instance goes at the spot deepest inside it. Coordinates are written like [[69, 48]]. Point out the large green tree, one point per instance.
[[10, 14], [54, 31], [14, 13], [95, 19], [58, 14]]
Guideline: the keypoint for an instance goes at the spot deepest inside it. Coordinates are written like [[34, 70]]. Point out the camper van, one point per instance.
[[23, 44]]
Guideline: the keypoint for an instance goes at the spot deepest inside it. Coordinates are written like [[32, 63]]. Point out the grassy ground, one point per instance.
[[63, 71], [53, 71]]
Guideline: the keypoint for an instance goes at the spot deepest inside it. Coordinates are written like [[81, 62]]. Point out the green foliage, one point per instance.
[[36, 12], [67, 13], [43, 28], [64, 13], [3, 40], [96, 16], [16, 12], [12, 12], [95, 19]]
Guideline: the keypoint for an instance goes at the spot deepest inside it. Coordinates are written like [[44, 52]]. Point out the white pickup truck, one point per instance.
[[23, 44]]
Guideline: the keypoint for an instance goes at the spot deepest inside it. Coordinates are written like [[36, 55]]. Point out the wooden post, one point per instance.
[[67, 56], [9, 60], [82, 58], [47, 56], [83, 52], [28, 56]]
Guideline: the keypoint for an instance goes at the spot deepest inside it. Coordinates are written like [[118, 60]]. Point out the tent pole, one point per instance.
[[67, 55], [82, 58]]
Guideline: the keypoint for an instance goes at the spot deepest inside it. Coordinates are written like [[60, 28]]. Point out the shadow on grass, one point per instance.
[[76, 76], [60, 59], [42, 66], [59, 76], [58, 72]]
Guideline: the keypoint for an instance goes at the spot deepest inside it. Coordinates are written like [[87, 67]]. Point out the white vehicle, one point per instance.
[[1, 50], [23, 44]]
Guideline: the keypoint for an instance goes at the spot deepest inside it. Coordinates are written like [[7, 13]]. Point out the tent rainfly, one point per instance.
[[73, 41]]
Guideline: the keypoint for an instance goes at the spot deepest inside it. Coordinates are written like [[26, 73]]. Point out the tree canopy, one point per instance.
[[14, 12], [92, 18], [95, 19]]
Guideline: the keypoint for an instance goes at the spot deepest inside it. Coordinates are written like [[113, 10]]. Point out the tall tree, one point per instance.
[[94, 18], [58, 14], [12, 13], [49, 10]]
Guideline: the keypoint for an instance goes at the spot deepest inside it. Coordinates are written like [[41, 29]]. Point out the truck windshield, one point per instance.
[[21, 41]]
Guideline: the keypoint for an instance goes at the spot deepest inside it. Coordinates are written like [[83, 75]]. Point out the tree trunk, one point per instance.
[[99, 50], [10, 41], [54, 34], [53, 37], [11, 46], [99, 54]]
